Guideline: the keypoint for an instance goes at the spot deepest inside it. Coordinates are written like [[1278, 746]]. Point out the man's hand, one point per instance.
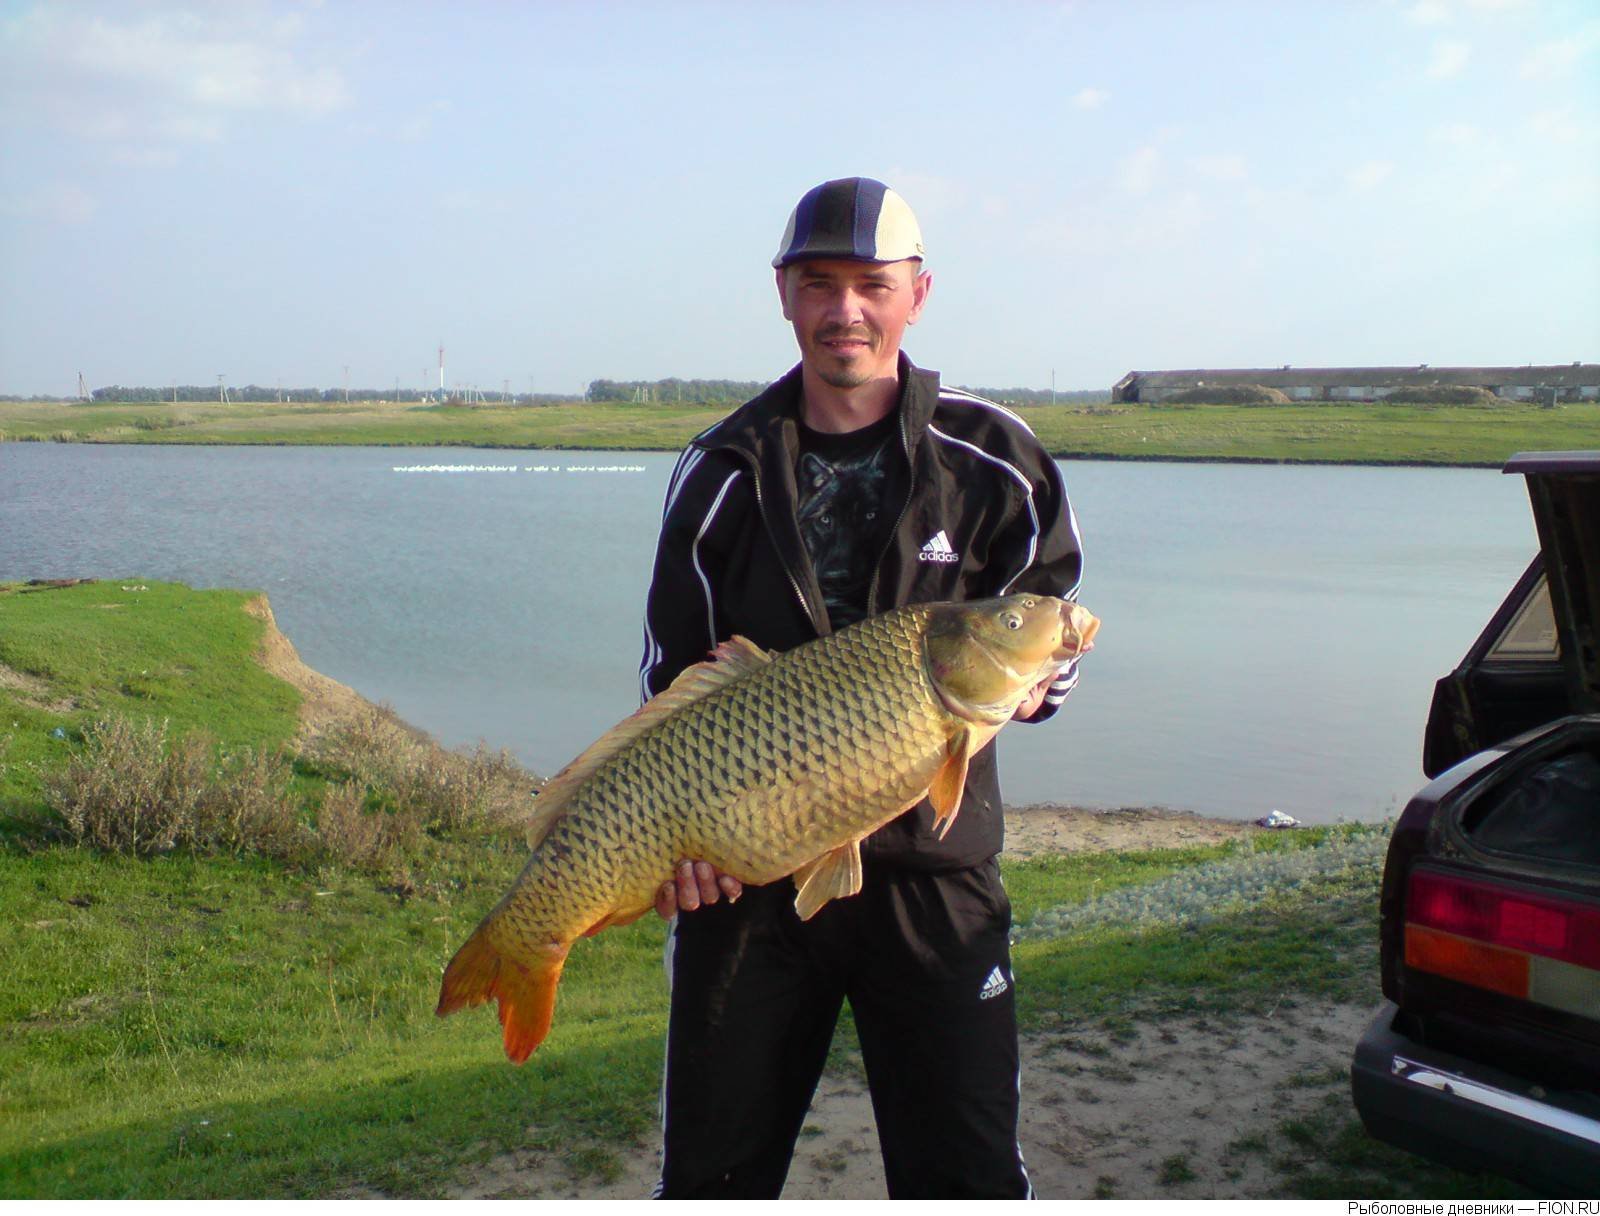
[[696, 883], [1034, 699]]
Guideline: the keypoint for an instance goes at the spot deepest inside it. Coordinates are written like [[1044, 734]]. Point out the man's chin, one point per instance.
[[847, 377]]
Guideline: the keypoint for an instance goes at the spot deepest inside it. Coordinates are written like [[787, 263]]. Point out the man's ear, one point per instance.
[[921, 288], [781, 277]]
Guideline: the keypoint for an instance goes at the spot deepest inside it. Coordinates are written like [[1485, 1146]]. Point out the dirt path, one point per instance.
[[1184, 1109]]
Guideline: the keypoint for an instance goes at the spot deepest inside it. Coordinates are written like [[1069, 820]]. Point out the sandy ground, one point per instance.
[[324, 702], [1152, 1115]]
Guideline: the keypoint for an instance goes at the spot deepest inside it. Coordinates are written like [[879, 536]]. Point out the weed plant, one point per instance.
[[412, 776], [386, 791], [1215, 889], [134, 789]]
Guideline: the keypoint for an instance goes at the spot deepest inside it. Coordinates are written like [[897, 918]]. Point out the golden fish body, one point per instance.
[[763, 766]]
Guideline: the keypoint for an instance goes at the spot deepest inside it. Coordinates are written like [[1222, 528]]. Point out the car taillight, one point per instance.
[[1539, 948]]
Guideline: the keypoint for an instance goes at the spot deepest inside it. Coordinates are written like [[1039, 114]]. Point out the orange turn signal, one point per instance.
[[1470, 962]]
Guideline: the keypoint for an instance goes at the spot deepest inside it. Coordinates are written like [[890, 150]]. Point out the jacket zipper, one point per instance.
[[911, 491], [794, 583]]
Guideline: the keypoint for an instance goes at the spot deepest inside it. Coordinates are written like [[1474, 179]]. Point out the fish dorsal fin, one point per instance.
[[730, 662], [834, 875]]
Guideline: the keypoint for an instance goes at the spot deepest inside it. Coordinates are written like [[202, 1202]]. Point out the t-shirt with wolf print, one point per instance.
[[844, 502]]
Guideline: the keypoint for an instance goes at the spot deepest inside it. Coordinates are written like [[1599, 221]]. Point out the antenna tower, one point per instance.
[[83, 388], [222, 389]]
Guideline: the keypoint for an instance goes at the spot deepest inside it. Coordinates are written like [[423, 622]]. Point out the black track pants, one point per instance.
[[924, 962]]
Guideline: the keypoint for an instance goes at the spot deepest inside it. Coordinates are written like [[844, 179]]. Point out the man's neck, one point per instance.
[[825, 407]]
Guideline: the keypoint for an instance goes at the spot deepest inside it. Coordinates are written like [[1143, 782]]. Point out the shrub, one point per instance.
[[1231, 394], [448, 790], [349, 833], [132, 789], [1444, 394]]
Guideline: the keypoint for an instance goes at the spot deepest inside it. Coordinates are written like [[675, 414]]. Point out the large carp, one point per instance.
[[763, 765]]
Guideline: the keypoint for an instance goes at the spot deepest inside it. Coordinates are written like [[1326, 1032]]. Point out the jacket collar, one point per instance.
[[766, 423]]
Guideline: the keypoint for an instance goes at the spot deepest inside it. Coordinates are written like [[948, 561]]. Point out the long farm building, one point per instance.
[[1541, 384]]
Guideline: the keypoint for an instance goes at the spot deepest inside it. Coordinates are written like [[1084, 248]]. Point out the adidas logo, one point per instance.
[[938, 550], [993, 986]]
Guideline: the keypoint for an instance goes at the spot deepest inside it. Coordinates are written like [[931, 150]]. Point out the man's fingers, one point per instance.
[[706, 879], [695, 884], [688, 888]]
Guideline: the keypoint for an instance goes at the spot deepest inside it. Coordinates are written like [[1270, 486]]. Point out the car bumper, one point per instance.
[[1464, 1114]]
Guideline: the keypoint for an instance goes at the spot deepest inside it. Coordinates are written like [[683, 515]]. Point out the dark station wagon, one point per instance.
[[1485, 1054]]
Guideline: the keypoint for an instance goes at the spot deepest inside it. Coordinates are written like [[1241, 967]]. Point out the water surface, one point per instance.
[[1271, 638]]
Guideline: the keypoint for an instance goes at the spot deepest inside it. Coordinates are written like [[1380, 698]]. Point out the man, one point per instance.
[[852, 485]]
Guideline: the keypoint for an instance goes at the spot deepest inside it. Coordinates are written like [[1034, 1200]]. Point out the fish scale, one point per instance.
[[763, 766]]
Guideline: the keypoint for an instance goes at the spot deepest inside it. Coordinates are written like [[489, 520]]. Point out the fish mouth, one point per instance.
[[1078, 627]]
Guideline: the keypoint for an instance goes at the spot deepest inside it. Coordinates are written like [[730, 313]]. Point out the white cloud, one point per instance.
[[165, 75], [1428, 12], [1221, 168], [1458, 134], [1137, 172], [1449, 58], [1090, 98], [1560, 57], [1561, 127], [1369, 176], [60, 202], [136, 156]]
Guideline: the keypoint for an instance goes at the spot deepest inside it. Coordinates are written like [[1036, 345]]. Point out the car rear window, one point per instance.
[[1531, 635]]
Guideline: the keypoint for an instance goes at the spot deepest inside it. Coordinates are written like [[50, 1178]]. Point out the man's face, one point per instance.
[[848, 316]]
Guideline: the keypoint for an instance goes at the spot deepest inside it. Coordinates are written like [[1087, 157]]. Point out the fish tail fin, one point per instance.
[[526, 996]]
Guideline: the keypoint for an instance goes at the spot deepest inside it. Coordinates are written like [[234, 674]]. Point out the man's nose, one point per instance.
[[846, 308]]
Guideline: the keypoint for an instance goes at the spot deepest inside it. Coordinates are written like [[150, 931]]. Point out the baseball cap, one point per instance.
[[851, 217]]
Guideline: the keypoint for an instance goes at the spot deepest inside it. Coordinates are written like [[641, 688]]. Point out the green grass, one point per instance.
[[1377, 433], [184, 1026], [150, 651]]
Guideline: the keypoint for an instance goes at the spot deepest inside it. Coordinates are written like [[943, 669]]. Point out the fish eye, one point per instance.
[[1011, 620]]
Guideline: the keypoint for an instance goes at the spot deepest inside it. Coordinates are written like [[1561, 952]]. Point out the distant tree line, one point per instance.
[[673, 390], [659, 392], [1041, 396], [256, 392]]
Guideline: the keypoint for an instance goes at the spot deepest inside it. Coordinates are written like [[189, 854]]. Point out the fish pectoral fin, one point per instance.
[[944, 794], [834, 875], [615, 920]]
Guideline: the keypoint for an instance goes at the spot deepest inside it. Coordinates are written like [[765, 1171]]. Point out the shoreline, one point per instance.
[[1053, 453]]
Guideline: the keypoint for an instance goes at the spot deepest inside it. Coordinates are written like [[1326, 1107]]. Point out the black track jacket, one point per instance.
[[985, 514]]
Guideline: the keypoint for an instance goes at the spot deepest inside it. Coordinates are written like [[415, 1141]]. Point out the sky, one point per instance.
[[558, 192]]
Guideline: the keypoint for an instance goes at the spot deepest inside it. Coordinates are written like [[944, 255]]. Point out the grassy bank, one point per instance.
[[1338, 433], [228, 1024]]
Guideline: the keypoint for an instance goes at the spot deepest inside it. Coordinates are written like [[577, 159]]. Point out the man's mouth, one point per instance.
[[845, 343]]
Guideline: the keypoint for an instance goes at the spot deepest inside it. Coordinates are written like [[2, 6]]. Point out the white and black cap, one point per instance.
[[852, 217]]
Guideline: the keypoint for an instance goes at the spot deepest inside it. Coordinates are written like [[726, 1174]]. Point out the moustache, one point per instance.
[[831, 333]]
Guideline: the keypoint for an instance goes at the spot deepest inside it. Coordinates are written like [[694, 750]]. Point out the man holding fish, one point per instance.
[[853, 485]]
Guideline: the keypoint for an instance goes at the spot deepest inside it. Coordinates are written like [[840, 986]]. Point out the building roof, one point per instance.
[[1559, 375]]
